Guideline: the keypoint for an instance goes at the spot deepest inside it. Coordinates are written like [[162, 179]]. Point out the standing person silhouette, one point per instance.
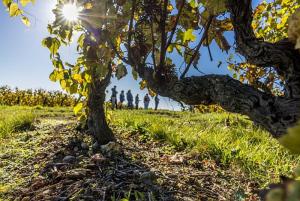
[[137, 100], [156, 102], [114, 93], [122, 98], [129, 99], [146, 101]]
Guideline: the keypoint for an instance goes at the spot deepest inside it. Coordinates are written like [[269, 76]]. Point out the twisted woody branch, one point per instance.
[[275, 114]]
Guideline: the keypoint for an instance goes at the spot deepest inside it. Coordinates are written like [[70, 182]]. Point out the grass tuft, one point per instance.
[[229, 139], [15, 121]]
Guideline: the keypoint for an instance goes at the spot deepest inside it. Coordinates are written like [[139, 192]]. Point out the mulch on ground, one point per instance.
[[132, 169]]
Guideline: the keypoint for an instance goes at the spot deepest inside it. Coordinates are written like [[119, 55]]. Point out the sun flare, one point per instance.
[[71, 12]]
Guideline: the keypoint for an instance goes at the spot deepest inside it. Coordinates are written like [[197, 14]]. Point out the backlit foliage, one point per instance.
[[114, 30], [15, 8], [270, 20], [270, 23]]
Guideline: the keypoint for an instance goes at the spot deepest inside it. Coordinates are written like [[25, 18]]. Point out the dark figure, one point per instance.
[[122, 98], [114, 97], [137, 100], [129, 99], [156, 102], [146, 101]]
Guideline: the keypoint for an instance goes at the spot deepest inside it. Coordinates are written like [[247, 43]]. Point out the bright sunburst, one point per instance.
[[71, 12]]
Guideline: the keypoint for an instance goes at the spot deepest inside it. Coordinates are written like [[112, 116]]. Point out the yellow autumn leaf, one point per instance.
[[26, 21], [78, 78], [24, 2], [170, 8], [14, 10], [88, 6]]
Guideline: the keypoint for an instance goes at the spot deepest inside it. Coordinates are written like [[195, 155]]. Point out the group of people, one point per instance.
[[129, 98]]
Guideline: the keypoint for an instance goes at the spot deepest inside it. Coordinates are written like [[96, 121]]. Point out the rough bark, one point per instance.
[[275, 114], [280, 55], [97, 123]]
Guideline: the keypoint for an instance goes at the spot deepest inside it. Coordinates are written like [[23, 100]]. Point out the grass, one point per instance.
[[20, 146], [21, 118], [229, 139], [14, 121]]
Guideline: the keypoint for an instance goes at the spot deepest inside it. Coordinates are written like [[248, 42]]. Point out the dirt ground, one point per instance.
[[65, 164]]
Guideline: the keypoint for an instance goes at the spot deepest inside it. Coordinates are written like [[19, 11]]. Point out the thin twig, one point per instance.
[[130, 29], [208, 48], [175, 25], [198, 46], [163, 35], [153, 45]]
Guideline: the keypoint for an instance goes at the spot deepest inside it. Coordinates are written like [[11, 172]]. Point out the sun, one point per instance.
[[71, 12]]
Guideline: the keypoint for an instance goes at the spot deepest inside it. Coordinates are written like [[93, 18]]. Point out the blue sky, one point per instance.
[[24, 63]]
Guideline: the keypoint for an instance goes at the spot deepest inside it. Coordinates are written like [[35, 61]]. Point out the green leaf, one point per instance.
[[53, 44], [134, 74], [187, 35], [53, 76], [193, 3], [80, 41], [26, 21], [121, 71], [57, 63], [73, 89], [6, 3]]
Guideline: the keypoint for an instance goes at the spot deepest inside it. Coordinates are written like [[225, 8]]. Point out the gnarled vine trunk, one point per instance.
[[97, 123], [274, 113]]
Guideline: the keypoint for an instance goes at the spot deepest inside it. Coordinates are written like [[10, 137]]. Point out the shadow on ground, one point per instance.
[[66, 165], [78, 171]]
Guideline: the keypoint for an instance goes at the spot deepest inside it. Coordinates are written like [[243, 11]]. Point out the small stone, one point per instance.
[[176, 159], [84, 145], [69, 159], [98, 158], [75, 149], [111, 148]]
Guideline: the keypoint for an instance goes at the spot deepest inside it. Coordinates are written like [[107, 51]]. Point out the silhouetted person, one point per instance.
[[156, 102], [129, 99], [137, 100], [122, 98], [114, 97], [146, 101]]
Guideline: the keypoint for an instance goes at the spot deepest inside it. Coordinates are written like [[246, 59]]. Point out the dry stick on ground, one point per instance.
[[204, 36]]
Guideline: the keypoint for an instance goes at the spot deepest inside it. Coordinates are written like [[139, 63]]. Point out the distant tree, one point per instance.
[[148, 34]]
